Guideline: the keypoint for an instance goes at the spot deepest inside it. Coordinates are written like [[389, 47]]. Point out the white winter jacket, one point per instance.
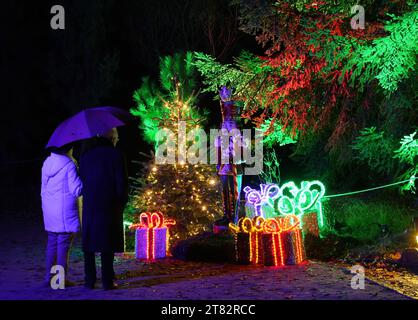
[[61, 186]]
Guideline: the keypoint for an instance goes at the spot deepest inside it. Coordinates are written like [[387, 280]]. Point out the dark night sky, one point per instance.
[[107, 47]]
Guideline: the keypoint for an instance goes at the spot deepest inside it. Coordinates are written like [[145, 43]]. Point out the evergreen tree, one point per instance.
[[325, 82], [184, 192]]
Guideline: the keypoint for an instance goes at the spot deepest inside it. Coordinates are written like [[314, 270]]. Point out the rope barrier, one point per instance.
[[411, 180]]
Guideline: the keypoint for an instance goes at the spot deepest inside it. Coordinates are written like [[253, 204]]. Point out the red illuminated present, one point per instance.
[[283, 241], [151, 236]]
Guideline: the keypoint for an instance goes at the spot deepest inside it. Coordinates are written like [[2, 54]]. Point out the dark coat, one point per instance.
[[105, 193]]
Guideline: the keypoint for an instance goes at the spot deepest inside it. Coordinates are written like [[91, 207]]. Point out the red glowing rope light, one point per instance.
[[147, 245], [253, 227], [151, 222], [299, 247], [274, 250], [277, 228], [152, 231]]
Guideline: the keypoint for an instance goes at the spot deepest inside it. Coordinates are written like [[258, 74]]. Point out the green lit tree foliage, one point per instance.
[[408, 155], [271, 168], [390, 59], [154, 104], [274, 137], [189, 194], [247, 75], [375, 149]]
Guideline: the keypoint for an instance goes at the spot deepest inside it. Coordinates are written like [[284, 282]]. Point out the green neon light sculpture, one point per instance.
[[297, 201], [272, 200]]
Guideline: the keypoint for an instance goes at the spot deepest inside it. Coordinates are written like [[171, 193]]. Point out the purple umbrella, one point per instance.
[[87, 124]]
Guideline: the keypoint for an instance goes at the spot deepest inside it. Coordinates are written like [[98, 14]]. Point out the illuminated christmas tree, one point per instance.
[[188, 193]]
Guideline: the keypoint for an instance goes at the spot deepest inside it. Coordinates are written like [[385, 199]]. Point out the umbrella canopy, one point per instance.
[[118, 112], [87, 124]]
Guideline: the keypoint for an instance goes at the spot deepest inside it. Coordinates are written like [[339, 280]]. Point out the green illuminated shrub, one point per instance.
[[375, 149], [408, 154], [368, 221]]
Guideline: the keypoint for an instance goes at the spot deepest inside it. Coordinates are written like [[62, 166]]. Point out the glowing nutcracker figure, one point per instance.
[[229, 151]]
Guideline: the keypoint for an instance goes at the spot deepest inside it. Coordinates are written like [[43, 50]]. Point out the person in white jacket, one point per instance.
[[61, 187]]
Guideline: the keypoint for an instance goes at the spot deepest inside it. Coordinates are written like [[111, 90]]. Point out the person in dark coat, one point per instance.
[[105, 193]]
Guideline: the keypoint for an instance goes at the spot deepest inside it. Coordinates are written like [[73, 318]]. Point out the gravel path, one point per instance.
[[22, 243]]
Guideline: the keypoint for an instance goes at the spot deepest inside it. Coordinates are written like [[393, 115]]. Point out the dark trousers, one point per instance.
[[108, 273]]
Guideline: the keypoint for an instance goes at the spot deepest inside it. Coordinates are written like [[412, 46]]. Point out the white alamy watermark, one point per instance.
[[358, 280], [226, 147], [58, 18], [58, 280], [358, 20]]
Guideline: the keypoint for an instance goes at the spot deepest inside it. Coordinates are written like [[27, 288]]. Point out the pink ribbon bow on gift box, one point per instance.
[[152, 220]]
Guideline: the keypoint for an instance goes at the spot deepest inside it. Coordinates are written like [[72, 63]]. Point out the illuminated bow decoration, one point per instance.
[[267, 195], [276, 227], [296, 201], [287, 223], [248, 225], [152, 221], [253, 228]]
